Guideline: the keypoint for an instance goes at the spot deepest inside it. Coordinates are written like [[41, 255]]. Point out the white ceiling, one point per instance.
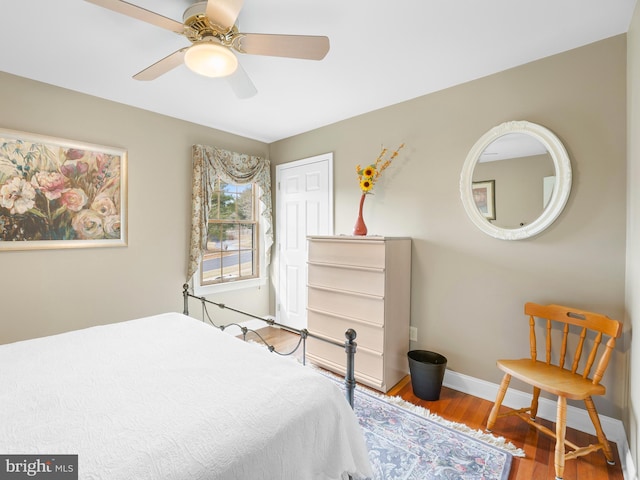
[[381, 53]]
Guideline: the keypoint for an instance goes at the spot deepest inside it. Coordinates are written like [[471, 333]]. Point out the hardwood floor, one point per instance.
[[539, 449], [473, 411]]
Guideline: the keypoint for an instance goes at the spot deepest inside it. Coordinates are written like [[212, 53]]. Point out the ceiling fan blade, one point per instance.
[[241, 84], [140, 13], [294, 46], [224, 12], [162, 66]]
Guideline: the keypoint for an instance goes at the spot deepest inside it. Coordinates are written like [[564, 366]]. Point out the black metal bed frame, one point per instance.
[[349, 345]]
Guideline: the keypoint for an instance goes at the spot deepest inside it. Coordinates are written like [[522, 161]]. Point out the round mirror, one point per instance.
[[516, 180]]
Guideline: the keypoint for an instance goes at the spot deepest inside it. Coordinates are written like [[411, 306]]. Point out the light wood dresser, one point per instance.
[[363, 283]]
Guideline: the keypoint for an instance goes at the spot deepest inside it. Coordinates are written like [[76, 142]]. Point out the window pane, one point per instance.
[[214, 212], [247, 250], [227, 201], [230, 267], [215, 236], [211, 260], [245, 203], [232, 235]]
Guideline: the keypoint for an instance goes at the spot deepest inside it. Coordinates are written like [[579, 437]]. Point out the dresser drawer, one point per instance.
[[365, 307], [366, 362], [366, 253], [354, 279], [368, 336]]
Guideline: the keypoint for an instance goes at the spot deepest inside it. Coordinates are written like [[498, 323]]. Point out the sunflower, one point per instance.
[[366, 184], [369, 172]]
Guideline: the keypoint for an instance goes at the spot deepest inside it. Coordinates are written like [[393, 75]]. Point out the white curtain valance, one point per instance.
[[210, 163]]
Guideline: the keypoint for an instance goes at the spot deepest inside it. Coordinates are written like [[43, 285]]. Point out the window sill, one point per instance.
[[200, 290]]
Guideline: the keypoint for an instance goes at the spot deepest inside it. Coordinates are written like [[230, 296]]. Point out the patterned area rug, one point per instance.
[[407, 442]]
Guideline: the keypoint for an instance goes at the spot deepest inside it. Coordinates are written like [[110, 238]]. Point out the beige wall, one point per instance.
[[633, 232], [51, 291], [469, 289]]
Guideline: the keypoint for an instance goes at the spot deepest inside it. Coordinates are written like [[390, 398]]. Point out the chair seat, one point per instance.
[[551, 378]]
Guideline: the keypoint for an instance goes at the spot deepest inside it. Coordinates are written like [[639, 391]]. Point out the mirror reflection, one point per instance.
[[513, 180]]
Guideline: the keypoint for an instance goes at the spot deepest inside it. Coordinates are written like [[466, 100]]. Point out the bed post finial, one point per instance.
[[350, 347], [185, 297]]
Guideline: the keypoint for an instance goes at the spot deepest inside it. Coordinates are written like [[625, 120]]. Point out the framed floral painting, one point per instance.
[[57, 193]]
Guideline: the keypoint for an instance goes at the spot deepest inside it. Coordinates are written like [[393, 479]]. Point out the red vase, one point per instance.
[[360, 227]]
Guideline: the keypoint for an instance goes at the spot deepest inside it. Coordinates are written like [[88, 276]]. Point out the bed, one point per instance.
[[171, 397]]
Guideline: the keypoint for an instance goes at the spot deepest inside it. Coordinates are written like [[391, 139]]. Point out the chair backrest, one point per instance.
[[586, 321]]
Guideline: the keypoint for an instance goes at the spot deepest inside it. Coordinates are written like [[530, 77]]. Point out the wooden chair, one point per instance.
[[558, 380]]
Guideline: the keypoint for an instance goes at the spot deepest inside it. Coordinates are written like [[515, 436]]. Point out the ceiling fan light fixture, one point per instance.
[[210, 59]]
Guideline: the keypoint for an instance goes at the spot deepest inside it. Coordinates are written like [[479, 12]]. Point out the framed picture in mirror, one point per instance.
[[484, 197]]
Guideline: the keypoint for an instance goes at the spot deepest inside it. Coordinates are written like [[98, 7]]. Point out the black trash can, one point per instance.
[[427, 371]]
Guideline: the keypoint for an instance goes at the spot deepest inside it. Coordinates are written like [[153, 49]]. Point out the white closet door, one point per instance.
[[304, 206]]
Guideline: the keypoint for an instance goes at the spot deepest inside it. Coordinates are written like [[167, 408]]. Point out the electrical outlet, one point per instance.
[[413, 334]]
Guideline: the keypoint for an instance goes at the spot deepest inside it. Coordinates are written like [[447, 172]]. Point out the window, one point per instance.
[[230, 246], [232, 235]]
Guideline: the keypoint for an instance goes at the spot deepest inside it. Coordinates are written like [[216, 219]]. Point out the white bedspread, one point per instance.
[[169, 397]]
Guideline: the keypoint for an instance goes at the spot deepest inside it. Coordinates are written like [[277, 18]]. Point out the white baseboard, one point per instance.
[[577, 418]]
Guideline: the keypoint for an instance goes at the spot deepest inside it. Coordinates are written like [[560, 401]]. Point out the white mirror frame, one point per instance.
[[560, 193]]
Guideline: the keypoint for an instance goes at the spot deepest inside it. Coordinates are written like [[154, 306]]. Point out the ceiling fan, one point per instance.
[[211, 29]]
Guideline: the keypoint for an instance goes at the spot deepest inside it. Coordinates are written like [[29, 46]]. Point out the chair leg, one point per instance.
[[502, 390], [602, 438], [533, 413], [561, 427]]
